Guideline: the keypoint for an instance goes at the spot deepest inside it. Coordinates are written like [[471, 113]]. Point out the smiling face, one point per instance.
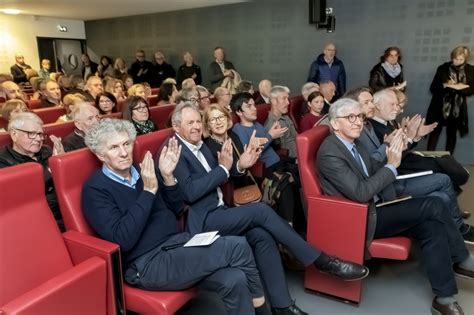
[[116, 153], [387, 107], [190, 128], [248, 112], [217, 122], [345, 128], [367, 105], [392, 57], [140, 112]]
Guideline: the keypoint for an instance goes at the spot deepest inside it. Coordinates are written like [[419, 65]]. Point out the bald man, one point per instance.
[[19, 69], [264, 88], [12, 91]]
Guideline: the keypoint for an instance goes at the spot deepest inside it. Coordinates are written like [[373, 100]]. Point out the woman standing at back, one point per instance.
[[388, 72]]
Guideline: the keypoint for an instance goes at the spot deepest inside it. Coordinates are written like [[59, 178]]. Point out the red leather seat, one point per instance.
[[33, 104], [161, 115], [152, 100], [337, 225], [150, 142], [68, 180], [42, 271], [262, 112], [155, 91], [60, 130], [296, 103], [51, 114]]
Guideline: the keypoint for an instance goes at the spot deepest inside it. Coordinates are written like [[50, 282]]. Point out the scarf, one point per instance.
[[144, 127], [392, 70], [453, 100]]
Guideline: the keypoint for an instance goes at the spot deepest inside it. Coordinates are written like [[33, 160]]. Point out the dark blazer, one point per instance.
[[93, 66], [216, 73], [340, 175], [198, 186], [380, 79], [372, 144], [19, 75]]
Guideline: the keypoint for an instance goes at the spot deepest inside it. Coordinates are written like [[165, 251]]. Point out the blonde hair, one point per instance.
[[10, 106], [460, 50], [206, 130], [132, 91]]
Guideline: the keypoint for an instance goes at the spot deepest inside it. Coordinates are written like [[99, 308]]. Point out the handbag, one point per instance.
[[247, 194]]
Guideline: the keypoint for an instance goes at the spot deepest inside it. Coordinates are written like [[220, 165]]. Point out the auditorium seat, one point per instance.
[[152, 100], [51, 114], [161, 115], [69, 179], [150, 142], [262, 112], [60, 130], [155, 91], [296, 105], [42, 271], [33, 104], [328, 216], [120, 105]]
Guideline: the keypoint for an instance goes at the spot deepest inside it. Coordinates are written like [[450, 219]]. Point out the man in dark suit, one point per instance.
[[20, 71], [220, 68], [199, 176], [89, 67], [423, 218]]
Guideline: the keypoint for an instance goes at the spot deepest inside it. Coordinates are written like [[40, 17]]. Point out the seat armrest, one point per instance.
[[337, 226], [82, 246], [79, 290], [258, 170]]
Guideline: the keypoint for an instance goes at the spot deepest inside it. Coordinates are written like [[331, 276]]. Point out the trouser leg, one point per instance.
[[433, 137], [451, 136], [237, 221], [270, 267]]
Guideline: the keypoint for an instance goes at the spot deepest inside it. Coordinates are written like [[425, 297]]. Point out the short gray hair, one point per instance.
[[18, 120], [339, 106], [383, 95], [80, 108], [308, 88], [176, 117], [94, 139], [277, 90]]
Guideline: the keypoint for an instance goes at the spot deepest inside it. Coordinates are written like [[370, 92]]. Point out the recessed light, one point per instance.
[[10, 11]]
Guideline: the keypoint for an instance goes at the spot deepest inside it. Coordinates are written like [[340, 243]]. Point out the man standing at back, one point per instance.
[[327, 67], [220, 68], [141, 69]]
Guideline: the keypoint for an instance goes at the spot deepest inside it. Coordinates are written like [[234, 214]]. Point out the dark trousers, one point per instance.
[[263, 228], [427, 220], [451, 136], [226, 267]]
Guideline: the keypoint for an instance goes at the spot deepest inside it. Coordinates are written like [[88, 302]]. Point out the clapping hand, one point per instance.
[[411, 126], [225, 156], [148, 175], [251, 153], [57, 145], [168, 160], [423, 130], [276, 131], [394, 151]]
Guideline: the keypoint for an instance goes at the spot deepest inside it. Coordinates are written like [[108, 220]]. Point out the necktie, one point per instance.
[[359, 160]]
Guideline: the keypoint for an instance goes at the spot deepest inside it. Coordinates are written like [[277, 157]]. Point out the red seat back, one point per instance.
[[5, 139], [120, 105], [161, 115], [296, 104], [32, 249], [155, 91], [150, 142], [262, 112], [60, 130], [51, 114], [152, 100], [33, 104]]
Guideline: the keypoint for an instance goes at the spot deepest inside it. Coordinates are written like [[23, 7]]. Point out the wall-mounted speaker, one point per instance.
[[317, 11]]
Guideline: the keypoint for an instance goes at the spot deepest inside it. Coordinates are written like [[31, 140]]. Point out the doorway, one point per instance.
[[64, 54]]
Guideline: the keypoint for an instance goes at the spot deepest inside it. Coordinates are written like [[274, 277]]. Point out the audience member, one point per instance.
[[137, 112], [188, 84], [120, 67], [43, 73], [106, 69], [188, 95], [167, 94], [26, 132], [69, 102], [220, 68], [12, 91], [51, 94], [106, 103], [245, 86], [278, 116], [308, 88], [141, 70], [85, 117], [116, 87], [264, 88], [12, 108], [93, 87], [127, 81], [223, 97], [199, 176], [89, 67], [137, 90], [389, 72], [423, 218], [161, 70], [327, 67], [327, 90], [20, 71], [315, 105], [120, 188], [452, 83], [188, 70], [204, 97]]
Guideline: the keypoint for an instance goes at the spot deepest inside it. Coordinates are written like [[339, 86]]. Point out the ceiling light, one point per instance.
[[10, 11]]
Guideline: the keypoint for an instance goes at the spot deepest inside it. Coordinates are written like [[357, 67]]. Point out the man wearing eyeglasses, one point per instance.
[[347, 171], [26, 132], [141, 69]]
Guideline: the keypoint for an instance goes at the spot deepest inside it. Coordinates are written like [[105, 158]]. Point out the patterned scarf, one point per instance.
[[392, 70], [144, 127], [454, 100]]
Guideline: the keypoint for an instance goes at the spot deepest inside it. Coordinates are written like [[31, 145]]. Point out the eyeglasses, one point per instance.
[[105, 101], [140, 56], [352, 118], [204, 98], [32, 134], [140, 108], [214, 120], [192, 99]]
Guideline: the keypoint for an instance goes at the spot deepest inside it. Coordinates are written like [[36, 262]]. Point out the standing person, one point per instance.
[[89, 67], [327, 67], [120, 67], [141, 69], [189, 70], [135, 206], [106, 68], [220, 68], [161, 70], [388, 72], [452, 83]]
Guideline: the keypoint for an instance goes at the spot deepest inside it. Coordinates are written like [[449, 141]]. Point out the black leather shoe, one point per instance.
[[290, 310], [463, 273], [449, 309], [465, 214], [345, 270]]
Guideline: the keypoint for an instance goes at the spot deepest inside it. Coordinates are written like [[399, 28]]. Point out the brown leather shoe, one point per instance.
[[463, 273], [465, 214], [449, 309]]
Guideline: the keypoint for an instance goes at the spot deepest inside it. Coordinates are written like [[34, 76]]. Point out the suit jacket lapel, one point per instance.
[[189, 155], [349, 157]]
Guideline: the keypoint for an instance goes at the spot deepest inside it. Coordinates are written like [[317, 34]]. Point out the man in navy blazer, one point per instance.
[[423, 218], [199, 176]]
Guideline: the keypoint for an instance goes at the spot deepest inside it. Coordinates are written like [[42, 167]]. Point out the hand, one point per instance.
[[257, 142], [168, 160], [148, 175], [394, 151], [251, 153], [225, 157], [194, 76], [57, 145], [276, 131], [423, 130], [412, 126], [388, 138]]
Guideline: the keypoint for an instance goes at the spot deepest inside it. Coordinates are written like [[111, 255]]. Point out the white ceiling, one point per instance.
[[102, 9]]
